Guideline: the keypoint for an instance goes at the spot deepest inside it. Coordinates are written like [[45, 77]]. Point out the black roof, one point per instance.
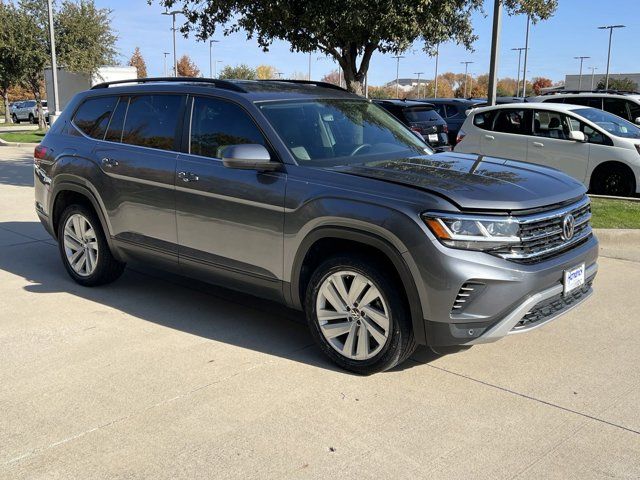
[[402, 103], [435, 101], [254, 90]]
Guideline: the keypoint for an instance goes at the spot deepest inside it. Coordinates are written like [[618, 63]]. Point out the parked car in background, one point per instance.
[[598, 148], [422, 118], [453, 111], [28, 111], [309, 195], [623, 104]]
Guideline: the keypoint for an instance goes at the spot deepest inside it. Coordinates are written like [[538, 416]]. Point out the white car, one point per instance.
[[28, 111], [622, 104], [596, 147]]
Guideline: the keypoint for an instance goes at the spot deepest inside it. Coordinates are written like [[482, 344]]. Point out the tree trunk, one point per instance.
[[7, 114]]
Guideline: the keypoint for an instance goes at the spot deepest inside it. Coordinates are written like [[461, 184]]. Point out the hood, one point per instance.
[[475, 182]]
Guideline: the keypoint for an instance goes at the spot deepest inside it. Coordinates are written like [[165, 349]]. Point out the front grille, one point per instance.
[[552, 306], [541, 235], [467, 292]]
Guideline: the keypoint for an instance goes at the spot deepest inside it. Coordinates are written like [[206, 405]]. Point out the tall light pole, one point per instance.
[[397, 57], [54, 65], [526, 54], [215, 69], [309, 74], [610, 27], [211, 42], [173, 29], [593, 73], [495, 48], [519, 50], [466, 69], [165, 63], [435, 79], [418, 74], [580, 77]]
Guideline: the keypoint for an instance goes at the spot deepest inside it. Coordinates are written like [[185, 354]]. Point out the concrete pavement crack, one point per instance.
[[539, 400]]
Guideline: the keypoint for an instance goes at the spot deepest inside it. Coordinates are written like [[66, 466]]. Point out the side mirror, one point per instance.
[[637, 121], [250, 156], [577, 136]]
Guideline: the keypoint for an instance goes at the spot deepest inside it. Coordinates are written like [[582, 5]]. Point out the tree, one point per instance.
[[335, 78], [10, 53], [265, 72], [84, 38], [625, 84], [349, 30], [241, 71], [187, 68], [539, 83], [137, 61]]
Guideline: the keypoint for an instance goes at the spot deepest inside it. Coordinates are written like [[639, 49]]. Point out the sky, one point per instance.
[[553, 44]]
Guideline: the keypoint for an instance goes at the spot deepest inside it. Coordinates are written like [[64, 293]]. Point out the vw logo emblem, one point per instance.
[[568, 227]]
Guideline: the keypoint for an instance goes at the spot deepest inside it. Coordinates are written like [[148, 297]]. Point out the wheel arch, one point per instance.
[[334, 240], [607, 164]]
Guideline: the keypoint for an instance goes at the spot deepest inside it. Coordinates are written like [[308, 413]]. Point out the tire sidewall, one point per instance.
[[627, 186], [94, 278], [392, 350]]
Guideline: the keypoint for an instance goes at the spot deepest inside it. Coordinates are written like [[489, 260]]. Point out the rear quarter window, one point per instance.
[[484, 120], [92, 117]]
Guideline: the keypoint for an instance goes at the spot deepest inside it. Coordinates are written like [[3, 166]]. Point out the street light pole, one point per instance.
[[211, 42], [165, 63], [418, 74], [495, 47], [173, 28], [435, 80], [54, 66], [215, 69], [610, 27], [593, 72], [526, 54], [398, 57], [580, 77], [309, 74], [466, 68], [518, 81]]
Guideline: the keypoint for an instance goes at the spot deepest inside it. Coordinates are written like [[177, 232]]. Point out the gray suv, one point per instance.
[[305, 194]]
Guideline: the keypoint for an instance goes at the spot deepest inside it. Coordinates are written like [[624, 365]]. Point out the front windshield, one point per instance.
[[611, 123], [339, 132]]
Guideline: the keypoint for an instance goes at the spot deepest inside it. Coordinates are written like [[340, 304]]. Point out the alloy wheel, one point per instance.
[[352, 315], [80, 245]]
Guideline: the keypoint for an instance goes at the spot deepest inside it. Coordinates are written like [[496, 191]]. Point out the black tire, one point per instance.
[[32, 119], [400, 343], [107, 268], [614, 180], [15, 119]]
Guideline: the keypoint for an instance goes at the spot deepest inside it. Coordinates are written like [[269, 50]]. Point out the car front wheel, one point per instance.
[[357, 316], [15, 118]]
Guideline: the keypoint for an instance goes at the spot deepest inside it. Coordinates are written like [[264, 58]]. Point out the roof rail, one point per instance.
[[224, 84], [622, 92], [307, 82]]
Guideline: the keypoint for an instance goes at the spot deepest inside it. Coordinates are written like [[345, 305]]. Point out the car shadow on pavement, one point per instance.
[[18, 173], [173, 301]]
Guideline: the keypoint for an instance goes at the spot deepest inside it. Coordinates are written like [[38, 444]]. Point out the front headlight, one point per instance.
[[473, 232]]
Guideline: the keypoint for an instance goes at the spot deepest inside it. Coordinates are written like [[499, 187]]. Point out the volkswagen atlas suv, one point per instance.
[[305, 194]]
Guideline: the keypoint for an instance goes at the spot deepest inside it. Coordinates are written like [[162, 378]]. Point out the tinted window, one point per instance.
[[634, 110], [422, 115], [484, 120], [441, 110], [510, 121], [616, 106], [594, 102], [217, 123], [114, 131], [152, 121], [93, 116]]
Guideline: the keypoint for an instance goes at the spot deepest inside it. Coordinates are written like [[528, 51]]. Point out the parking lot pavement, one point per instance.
[[156, 376]]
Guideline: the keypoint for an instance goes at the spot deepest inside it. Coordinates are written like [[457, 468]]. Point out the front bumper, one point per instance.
[[509, 297]]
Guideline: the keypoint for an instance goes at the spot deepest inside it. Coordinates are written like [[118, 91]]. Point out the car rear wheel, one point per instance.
[[84, 248], [32, 119], [357, 316], [614, 180]]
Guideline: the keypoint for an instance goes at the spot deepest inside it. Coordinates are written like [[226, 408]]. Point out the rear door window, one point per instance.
[[152, 121], [510, 121], [551, 125], [93, 116], [617, 106], [114, 131]]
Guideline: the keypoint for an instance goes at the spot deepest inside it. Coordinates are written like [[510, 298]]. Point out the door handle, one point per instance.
[[109, 162], [538, 144], [188, 176], [489, 137]]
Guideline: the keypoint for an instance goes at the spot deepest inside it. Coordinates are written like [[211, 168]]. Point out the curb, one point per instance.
[[607, 197], [623, 244], [4, 143]]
